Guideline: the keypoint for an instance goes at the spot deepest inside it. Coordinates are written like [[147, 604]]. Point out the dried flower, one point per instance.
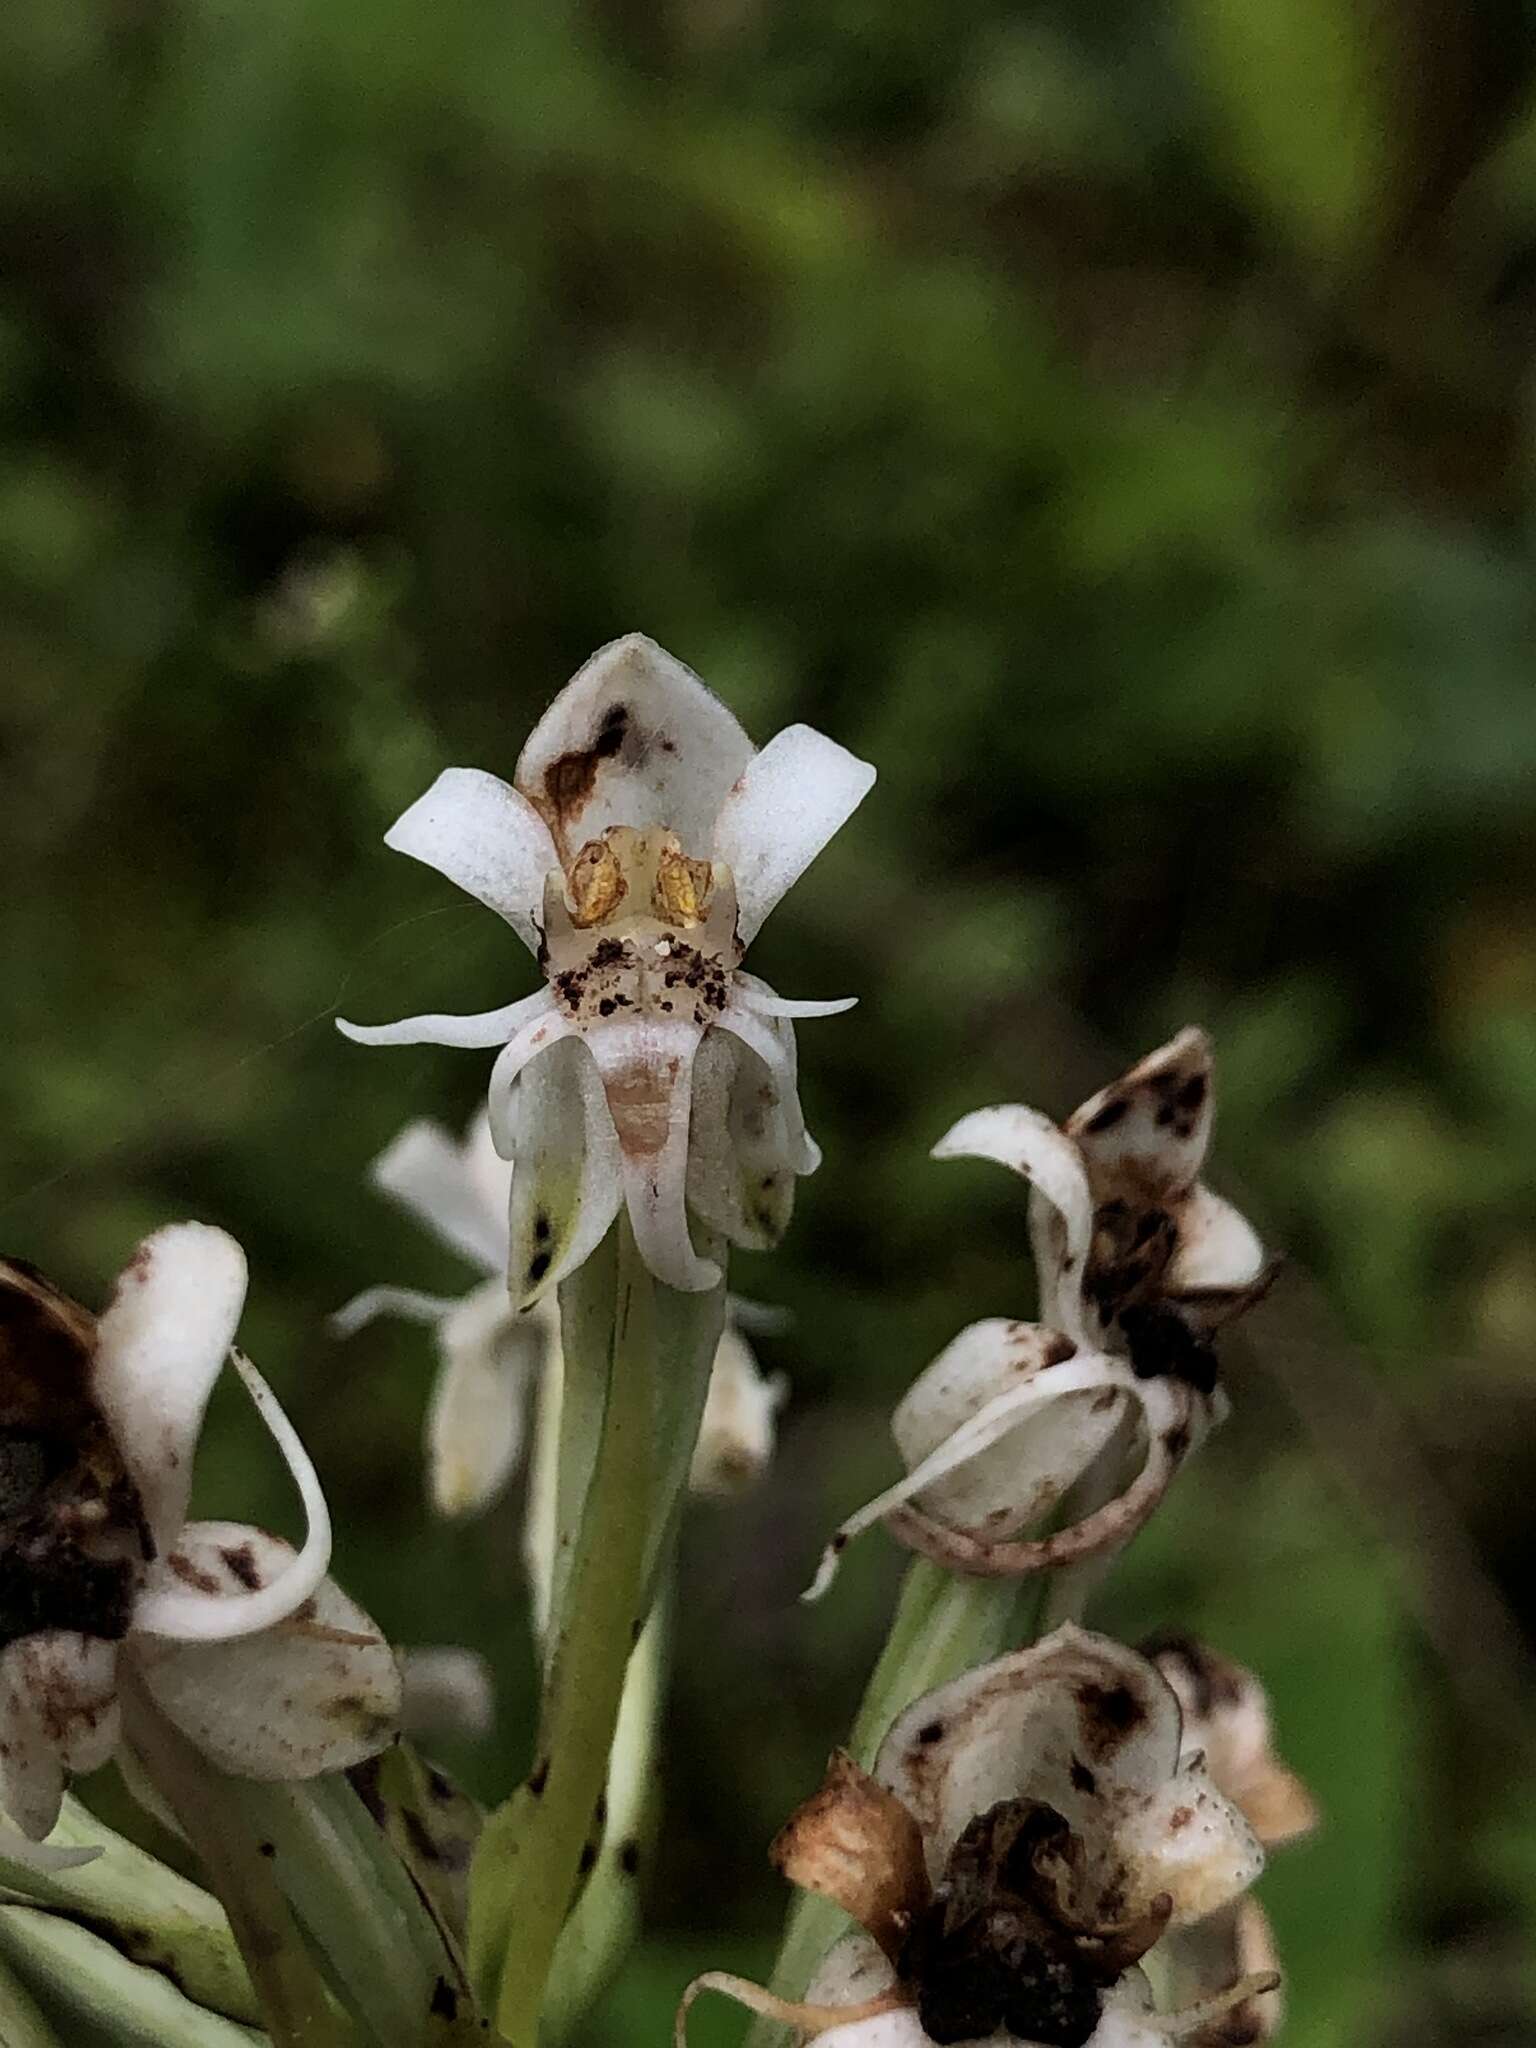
[[1140, 1265], [241, 1641], [1030, 1833], [637, 855], [1227, 1721], [493, 1354]]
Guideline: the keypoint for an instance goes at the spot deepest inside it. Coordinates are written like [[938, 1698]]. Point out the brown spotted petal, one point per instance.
[[635, 738], [1069, 1399], [1085, 1726], [1227, 1720], [318, 1692], [1144, 1137], [1019, 1477], [854, 1842], [58, 1713]]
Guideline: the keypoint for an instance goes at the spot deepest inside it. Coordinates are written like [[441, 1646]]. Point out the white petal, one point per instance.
[[742, 1161], [1030, 1144], [544, 1029], [1174, 1421], [633, 739], [58, 1713], [736, 1437], [173, 1604], [1217, 1247], [1092, 1373], [480, 833], [767, 1004], [489, 1027], [41, 1857], [773, 1040], [647, 1071], [567, 1185], [1145, 1135], [475, 1422], [319, 1691], [439, 1182], [405, 1302], [160, 1346], [790, 801], [1022, 1476], [1014, 1728], [1190, 1842]]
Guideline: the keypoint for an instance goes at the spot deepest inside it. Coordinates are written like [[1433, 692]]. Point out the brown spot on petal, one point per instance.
[[570, 780], [1110, 1715], [1106, 1118], [241, 1560], [445, 2001], [192, 1574]]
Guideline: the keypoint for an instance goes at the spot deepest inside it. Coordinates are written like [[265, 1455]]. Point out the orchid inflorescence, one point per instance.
[[1045, 1842]]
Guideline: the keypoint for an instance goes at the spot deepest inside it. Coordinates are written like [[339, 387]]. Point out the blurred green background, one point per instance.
[[1113, 421]]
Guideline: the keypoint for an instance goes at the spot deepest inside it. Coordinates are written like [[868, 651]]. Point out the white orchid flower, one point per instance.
[[1029, 1835], [493, 1355], [1139, 1266], [639, 849], [240, 1640], [1227, 1720]]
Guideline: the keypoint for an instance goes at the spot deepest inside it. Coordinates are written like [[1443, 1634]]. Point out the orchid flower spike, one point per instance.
[[1029, 1837], [240, 1640], [492, 1355], [1227, 1720], [639, 849], [1139, 1266]]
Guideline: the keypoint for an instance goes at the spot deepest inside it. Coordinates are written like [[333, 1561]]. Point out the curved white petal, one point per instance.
[[1092, 1373], [479, 832], [439, 1182], [773, 1041], [1227, 1721], [172, 1603], [736, 1436], [42, 1857], [160, 1345], [788, 803], [544, 1029], [318, 1691], [476, 1418], [1030, 1144], [1174, 1420], [1022, 1476], [1015, 1728], [633, 739], [647, 1073], [741, 1166], [489, 1027], [1145, 1135], [1217, 1246], [767, 1004], [407, 1303], [567, 1185]]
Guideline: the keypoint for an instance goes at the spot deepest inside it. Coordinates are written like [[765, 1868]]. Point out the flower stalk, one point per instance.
[[628, 1399]]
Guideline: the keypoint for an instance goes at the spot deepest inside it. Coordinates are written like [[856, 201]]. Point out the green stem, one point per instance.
[[296, 2007], [528, 1862]]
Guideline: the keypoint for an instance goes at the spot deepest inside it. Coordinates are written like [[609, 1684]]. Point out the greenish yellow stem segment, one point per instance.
[[528, 1865]]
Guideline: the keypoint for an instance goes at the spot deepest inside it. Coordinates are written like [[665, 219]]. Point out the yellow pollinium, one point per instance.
[[649, 868]]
